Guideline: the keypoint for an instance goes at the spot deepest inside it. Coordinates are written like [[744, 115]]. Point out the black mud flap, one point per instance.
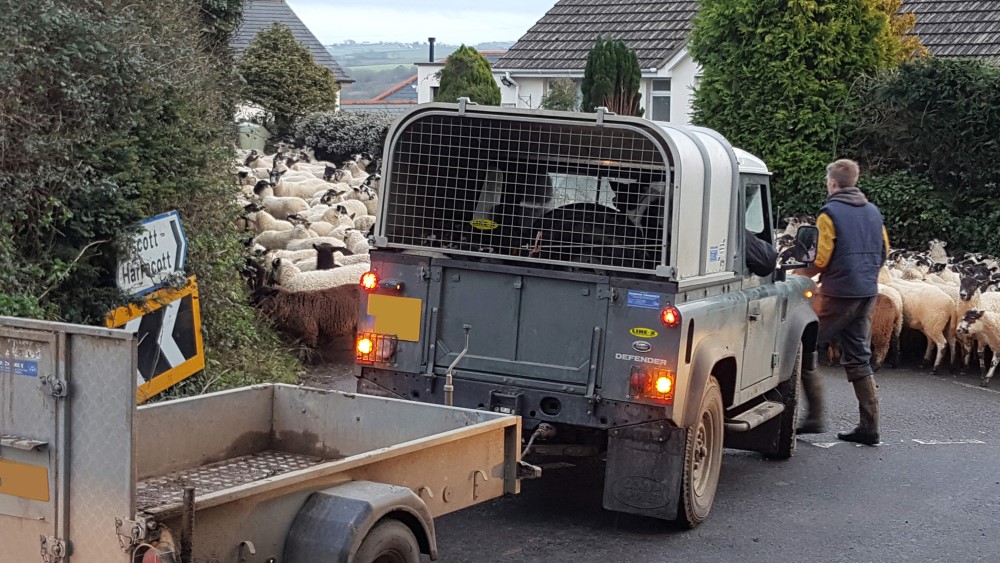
[[645, 466]]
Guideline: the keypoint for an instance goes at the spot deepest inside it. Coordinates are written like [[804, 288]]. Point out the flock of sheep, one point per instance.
[[954, 301], [309, 221]]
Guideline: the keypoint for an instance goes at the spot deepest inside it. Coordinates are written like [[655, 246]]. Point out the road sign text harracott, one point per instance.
[[156, 253]]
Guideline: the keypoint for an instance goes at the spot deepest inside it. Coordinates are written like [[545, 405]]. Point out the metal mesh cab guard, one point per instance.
[[560, 189], [526, 187]]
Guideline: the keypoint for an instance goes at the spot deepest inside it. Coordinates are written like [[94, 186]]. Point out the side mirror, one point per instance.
[[806, 243]]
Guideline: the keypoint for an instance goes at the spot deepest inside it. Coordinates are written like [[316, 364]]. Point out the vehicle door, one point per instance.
[[763, 299]]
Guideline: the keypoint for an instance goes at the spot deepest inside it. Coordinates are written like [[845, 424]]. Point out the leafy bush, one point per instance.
[[776, 79], [283, 78], [914, 213], [611, 78], [113, 112], [467, 74], [935, 117], [562, 96], [337, 136]]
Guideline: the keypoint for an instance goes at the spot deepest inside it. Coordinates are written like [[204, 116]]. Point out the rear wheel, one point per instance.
[[789, 391], [389, 541], [702, 459]]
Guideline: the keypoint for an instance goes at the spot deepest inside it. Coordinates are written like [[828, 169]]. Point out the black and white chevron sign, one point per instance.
[[166, 338], [168, 332]]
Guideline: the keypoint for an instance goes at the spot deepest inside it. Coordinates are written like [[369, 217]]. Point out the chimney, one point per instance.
[[431, 41]]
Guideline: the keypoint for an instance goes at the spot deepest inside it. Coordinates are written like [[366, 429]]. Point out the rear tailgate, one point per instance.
[[529, 324]]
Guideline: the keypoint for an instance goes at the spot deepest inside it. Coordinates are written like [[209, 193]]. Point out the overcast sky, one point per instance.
[[450, 21]]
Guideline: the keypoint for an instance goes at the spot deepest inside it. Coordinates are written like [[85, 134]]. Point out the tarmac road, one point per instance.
[[930, 492]]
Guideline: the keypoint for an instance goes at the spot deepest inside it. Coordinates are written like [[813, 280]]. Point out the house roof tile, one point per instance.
[[261, 14], [561, 40]]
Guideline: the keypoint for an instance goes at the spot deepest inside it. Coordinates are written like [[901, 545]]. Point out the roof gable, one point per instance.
[[262, 14], [958, 28], [562, 39]]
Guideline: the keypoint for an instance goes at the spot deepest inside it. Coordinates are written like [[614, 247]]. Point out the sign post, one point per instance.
[[157, 253]]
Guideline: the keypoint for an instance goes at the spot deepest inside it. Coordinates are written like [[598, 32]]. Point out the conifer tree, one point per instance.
[[611, 78], [283, 78], [467, 73]]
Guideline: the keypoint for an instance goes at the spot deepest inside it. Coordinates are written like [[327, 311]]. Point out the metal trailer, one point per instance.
[[587, 272], [269, 473]]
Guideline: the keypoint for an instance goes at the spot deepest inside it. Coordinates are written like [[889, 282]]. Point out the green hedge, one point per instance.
[[113, 112], [928, 133], [338, 136]]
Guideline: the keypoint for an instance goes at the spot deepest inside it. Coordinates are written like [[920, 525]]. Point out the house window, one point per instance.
[[660, 103], [434, 93]]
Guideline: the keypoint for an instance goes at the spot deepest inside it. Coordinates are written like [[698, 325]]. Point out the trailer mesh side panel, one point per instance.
[[554, 192]]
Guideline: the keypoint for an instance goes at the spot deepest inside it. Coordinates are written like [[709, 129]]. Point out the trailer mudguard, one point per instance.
[[332, 523]]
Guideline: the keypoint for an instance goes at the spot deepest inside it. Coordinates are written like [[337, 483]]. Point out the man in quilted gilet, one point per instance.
[[853, 246]]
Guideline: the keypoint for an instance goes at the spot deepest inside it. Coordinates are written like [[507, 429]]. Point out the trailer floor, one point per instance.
[[163, 490]]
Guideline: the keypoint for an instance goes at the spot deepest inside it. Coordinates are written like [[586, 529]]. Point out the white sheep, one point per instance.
[[322, 228], [292, 279], [353, 207], [274, 240], [973, 298], [985, 327], [925, 308], [356, 242], [295, 255], [339, 217], [364, 223], [278, 206], [370, 199], [937, 253], [260, 220], [374, 182]]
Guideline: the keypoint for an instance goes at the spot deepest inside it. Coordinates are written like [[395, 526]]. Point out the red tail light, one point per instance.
[[369, 281], [670, 316]]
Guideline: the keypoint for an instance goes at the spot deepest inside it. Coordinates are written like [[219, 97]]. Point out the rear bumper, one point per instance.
[[533, 405]]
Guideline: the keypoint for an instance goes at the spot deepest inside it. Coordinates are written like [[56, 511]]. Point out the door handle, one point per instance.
[[754, 316]]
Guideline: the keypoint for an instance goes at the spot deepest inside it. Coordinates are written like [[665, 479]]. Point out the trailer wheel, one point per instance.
[[789, 391], [390, 541], [702, 459]]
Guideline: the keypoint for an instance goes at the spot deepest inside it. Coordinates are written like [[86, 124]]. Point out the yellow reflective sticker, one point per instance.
[[24, 480], [644, 332], [484, 224], [397, 316]]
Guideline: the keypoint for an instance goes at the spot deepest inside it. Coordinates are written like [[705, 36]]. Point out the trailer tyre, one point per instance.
[[789, 391], [390, 541], [702, 459]]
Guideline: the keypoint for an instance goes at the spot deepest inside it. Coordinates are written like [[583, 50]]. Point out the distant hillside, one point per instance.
[[378, 66], [352, 55]]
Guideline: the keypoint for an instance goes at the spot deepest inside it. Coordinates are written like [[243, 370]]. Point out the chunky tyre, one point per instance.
[[390, 541], [702, 459], [789, 391]]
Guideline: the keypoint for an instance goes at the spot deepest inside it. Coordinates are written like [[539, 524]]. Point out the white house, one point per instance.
[[557, 47], [558, 44]]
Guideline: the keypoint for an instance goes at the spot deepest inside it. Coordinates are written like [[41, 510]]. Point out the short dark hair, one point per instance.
[[845, 172]]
